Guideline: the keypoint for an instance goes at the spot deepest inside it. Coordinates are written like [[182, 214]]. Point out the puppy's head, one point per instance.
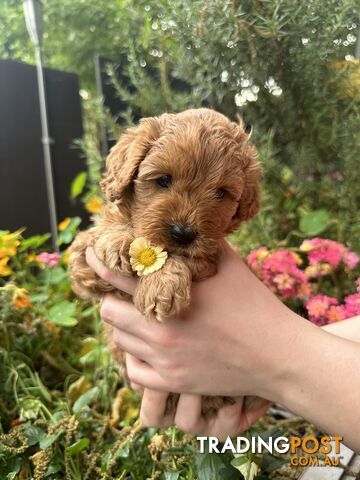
[[184, 180]]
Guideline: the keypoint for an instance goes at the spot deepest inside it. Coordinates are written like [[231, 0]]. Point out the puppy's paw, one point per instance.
[[160, 295], [114, 254]]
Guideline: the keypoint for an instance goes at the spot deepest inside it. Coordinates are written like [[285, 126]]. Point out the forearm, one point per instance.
[[349, 329], [321, 382]]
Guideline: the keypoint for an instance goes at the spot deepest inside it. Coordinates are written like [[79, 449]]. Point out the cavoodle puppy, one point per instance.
[[179, 183]]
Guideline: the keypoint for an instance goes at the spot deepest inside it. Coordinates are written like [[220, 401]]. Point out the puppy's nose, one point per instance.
[[182, 233]]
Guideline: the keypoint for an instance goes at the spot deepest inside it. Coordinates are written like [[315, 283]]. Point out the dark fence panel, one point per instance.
[[23, 200]]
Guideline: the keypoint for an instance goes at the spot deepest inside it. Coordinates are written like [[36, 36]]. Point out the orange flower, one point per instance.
[[21, 298], [94, 205]]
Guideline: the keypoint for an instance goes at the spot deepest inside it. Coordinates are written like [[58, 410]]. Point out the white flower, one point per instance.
[[145, 258]]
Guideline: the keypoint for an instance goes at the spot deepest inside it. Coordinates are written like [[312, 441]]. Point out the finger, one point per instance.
[[250, 416], [136, 387], [153, 409], [227, 420], [121, 282], [143, 374], [122, 315], [188, 415], [131, 344]]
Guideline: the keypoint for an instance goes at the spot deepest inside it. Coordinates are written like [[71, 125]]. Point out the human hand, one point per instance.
[[213, 347], [230, 420]]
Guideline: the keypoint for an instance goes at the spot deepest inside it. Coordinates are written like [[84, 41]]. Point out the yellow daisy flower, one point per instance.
[[306, 246], [5, 270], [66, 256], [64, 224], [297, 258], [32, 257], [145, 258], [94, 205], [9, 243]]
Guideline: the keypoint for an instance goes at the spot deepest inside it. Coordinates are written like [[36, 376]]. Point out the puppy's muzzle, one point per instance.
[[182, 233]]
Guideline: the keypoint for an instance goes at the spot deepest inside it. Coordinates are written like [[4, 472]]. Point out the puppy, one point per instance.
[[182, 181]]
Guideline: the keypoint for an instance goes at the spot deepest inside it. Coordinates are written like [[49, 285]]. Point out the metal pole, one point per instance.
[[45, 140], [100, 93], [357, 49]]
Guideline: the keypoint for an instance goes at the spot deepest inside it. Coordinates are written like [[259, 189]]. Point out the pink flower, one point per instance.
[[336, 313], [352, 305], [351, 259], [281, 273], [255, 259], [318, 307], [321, 251], [51, 259]]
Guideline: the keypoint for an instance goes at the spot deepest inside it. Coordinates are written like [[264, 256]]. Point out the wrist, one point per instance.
[[289, 356], [281, 343], [318, 378], [291, 374]]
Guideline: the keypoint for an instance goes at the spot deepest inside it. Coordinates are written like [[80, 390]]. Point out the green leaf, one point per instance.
[[13, 467], [208, 466], [314, 222], [239, 460], [33, 434], [89, 311], [78, 184], [123, 452], [99, 354], [39, 298], [11, 476], [34, 242], [65, 237], [78, 446], [67, 322], [49, 440], [246, 466], [85, 399], [75, 222], [57, 275], [54, 276], [172, 475], [271, 463], [53, 468], [62, 314]]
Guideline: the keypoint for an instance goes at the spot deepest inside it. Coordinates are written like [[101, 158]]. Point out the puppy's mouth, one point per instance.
[[184, 251]]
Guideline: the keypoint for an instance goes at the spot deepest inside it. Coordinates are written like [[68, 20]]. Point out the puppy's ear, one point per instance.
[[125, 157], [250, 199]]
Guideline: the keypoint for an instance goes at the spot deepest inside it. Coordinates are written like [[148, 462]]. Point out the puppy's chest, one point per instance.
[[201, 270]]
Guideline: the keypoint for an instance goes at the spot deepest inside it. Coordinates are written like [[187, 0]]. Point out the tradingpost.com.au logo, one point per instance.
[[304, 451]]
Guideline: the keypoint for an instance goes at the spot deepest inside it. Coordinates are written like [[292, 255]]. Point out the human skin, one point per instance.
[[237, 339]]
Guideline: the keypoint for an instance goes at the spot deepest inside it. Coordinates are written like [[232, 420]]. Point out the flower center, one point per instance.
[[147, 257]]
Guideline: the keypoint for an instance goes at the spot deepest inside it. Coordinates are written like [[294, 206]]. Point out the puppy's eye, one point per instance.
[[248, 128], [164, 181], [220, 193]]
